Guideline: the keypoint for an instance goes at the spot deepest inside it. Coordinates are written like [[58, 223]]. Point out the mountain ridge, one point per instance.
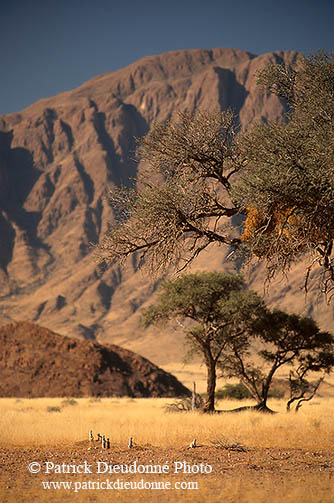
[[210, 53]]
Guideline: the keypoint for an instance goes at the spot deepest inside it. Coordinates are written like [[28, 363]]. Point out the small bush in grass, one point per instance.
[[276, 393], [236, 391], [69, 401], [53, 409], [240, 392]]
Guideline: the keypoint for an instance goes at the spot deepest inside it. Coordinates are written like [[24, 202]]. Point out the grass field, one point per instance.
[[52, 421], [254, 457]]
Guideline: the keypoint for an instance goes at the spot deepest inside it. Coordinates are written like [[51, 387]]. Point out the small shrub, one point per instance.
[[69, 401], [276, 393], [53, 409], [240, 392], [235, 391]]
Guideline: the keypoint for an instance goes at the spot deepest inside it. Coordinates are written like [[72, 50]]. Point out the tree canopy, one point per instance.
[[200, 172], [287, 185]]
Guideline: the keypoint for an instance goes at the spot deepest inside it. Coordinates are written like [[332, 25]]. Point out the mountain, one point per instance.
[[36, 362], [58, 158]]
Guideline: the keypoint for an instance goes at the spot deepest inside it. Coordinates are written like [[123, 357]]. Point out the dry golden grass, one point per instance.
[[30, 422]]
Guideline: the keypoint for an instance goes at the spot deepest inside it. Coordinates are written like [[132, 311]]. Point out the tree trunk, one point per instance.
[[209, 405], [193, 397], [262, 405]]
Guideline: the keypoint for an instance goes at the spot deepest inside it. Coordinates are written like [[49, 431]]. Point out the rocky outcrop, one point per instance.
[[36, 362]]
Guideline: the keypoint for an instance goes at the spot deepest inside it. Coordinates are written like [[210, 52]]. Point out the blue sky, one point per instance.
[[50, 46]]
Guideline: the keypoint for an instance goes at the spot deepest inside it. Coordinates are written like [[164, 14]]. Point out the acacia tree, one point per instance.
[[287, 186], [282, 339], [199, 174], [216, 309]]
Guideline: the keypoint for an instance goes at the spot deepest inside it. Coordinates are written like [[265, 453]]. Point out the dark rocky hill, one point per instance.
[[57, 159], [36, 362]]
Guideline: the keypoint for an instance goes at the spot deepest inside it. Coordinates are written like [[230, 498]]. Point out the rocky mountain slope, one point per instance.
[[36, 362], [57, 159]]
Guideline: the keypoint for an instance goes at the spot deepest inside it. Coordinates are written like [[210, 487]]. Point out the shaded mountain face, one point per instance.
[[57, 160], [36, 362]]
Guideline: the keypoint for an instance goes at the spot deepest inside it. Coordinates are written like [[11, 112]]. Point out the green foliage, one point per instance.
[[235, 391], [217, 304], [239, 391], [289, 177], [199, 296]]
